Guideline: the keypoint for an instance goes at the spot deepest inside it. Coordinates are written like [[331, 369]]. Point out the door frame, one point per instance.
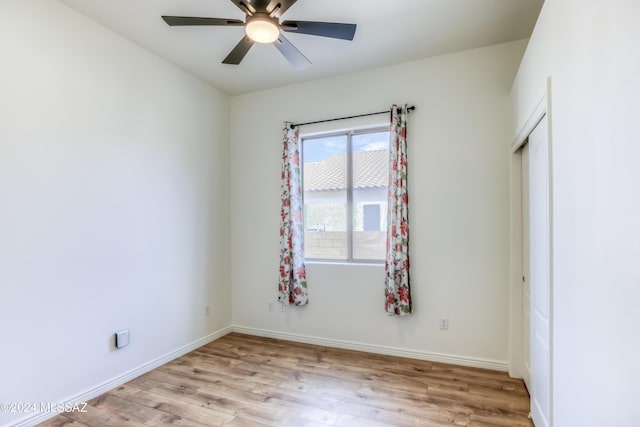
[[526, 262], [516, 350]]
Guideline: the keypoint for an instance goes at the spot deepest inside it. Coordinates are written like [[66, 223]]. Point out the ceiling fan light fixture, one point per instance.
[[261, 28], [262, 25]]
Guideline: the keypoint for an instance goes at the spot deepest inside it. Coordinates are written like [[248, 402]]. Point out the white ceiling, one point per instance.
[[388, 33]]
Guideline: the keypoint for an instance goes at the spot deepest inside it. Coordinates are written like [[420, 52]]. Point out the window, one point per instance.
[[345, 178]]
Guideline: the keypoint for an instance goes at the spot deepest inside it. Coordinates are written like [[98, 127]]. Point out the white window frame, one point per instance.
[[349, 134]]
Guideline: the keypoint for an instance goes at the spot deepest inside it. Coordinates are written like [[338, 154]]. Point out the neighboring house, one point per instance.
[[325, 200]]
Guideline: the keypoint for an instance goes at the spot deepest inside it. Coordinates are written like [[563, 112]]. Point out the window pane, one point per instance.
[[370, 179], [325, 197]]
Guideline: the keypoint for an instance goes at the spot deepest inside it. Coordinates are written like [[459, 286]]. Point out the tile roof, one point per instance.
[[370, 170]]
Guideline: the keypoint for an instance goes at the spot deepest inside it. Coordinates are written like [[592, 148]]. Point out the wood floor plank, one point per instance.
[[412, 403], [62, 421], [192, 413], [502, 420], [295, 399], [240, 380], [376, 413], [253, 409], [482, 401], [96, 416], [243, 422], [442, 418], [133, 410], [293, 421], [354, 421]]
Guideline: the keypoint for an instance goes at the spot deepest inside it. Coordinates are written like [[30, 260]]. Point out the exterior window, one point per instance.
[[345, 195], [371, 217]]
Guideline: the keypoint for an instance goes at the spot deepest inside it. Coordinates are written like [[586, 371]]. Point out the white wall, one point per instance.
[[458, 139], [590, 51], [113, 204]]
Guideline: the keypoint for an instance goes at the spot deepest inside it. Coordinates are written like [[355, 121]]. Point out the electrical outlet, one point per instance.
[[207, 310], [270, 306], [282, 307], [444, 323], [122, 338]]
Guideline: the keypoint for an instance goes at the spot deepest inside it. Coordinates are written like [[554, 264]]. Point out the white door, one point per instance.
[[539, 222], [526, 298]]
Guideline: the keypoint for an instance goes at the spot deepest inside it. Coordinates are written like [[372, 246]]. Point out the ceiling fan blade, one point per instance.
[[293, 55], [176, 21], [325, 29], [246, 6], [277, 7], [239, 52]]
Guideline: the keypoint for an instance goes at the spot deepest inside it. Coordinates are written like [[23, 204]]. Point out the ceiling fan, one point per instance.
[[262, 25]]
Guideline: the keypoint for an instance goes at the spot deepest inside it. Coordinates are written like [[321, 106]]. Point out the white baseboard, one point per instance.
[[495, 365], [101, 388]]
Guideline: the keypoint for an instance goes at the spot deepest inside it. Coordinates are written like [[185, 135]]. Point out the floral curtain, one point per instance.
[[292, 286], [397, 290]]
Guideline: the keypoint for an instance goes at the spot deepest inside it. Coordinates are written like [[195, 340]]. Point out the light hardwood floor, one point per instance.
[[242, 380]]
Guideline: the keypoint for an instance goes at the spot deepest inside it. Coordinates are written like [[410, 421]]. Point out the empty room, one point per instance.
[[319, 213]]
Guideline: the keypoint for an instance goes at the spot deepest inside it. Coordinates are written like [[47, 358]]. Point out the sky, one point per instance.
[[318, 149]]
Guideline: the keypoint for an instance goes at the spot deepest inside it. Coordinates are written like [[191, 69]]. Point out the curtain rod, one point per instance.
[[293, 125]]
